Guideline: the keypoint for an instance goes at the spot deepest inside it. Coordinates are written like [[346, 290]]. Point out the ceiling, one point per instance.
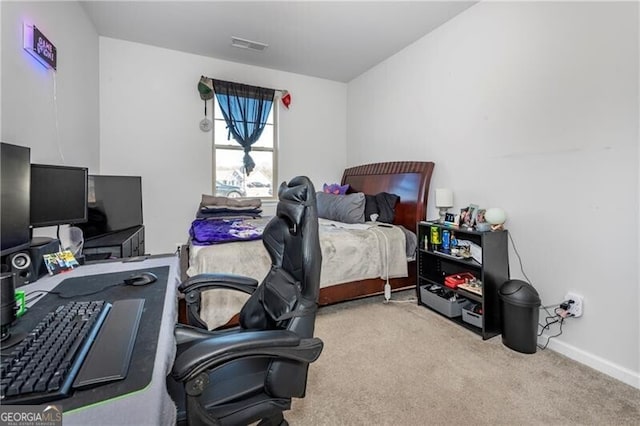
[[333, 40]]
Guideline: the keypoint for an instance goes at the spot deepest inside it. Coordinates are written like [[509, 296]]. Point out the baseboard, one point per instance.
[[632, 378]]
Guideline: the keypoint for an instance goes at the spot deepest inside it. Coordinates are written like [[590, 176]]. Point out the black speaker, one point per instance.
[[28, 266], [20, 265], [37, 261]]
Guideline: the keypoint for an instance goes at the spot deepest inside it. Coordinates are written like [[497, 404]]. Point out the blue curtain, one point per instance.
[[245, 110]]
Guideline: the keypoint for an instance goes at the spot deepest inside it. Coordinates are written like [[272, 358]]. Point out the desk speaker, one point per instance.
[[22, 268], [29, 265]]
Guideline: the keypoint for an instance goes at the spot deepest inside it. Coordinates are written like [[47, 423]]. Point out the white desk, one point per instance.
[[151, 405]]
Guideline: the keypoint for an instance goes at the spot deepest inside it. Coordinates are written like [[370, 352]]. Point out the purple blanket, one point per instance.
[[205, 232]]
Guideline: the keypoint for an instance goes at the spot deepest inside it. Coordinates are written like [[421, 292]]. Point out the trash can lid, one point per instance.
[[519, 293]]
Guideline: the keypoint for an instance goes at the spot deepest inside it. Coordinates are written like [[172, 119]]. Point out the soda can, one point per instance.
[[446, 240], [435, 235]]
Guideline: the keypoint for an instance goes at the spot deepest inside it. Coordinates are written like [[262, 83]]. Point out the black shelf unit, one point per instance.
[[433, 266]]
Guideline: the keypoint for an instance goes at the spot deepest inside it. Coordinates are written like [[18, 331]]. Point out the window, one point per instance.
[[229, 178]]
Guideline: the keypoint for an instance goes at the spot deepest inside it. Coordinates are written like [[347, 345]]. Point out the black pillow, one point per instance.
[[386, 206], [370, 207]]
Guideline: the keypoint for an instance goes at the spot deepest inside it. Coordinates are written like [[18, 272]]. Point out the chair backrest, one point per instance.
[[287, 298]]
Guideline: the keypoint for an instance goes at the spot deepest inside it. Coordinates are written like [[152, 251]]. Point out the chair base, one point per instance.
[[275, 420]]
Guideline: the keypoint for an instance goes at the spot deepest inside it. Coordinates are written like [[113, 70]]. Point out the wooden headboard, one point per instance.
[[408, 179]]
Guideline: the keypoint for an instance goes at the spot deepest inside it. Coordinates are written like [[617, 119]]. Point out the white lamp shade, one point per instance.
[[444, 197], [495, 216]]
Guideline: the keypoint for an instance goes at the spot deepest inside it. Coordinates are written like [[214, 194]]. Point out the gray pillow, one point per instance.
[[341, 208]]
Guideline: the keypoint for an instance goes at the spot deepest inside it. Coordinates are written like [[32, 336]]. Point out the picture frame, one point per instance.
[[468, 215], [463, 217], [59, 262], [473, 213], [480, 216]]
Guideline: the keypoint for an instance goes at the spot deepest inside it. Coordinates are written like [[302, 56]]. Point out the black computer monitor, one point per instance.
[[115, 203], [14, 196], [58, 195]]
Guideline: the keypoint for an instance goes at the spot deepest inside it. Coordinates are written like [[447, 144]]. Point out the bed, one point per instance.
[[407, 179]]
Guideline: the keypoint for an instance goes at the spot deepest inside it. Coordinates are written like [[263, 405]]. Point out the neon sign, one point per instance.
[[39, 46]]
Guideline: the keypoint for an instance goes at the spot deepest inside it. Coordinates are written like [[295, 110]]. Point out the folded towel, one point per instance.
[[211, 200], [206, 232], [225, 212]]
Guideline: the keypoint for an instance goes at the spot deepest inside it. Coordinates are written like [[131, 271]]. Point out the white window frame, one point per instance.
[[235, 146]]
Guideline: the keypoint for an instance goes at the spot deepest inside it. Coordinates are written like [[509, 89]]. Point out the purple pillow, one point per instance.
[[335, 189]]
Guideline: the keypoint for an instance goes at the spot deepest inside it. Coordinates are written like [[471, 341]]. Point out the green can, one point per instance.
[[435, 235]]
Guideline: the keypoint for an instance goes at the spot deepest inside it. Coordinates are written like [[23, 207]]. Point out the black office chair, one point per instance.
[[249, 373]]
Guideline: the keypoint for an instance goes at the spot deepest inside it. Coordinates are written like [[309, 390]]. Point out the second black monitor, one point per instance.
[[58, 195], [114, 204]]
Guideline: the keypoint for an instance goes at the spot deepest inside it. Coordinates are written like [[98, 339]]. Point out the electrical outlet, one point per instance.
[[576, 307]]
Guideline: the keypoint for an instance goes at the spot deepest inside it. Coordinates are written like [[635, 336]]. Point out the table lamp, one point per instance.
[[444, 200], [496, 217]]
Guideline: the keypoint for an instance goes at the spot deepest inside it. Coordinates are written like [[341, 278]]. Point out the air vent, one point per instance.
[[248, 44]]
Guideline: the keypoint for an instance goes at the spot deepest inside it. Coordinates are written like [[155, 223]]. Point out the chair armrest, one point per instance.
[[193, 287], [213, 352], [209, 281], [187, 333]]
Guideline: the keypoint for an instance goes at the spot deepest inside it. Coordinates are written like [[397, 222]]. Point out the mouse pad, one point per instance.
[[109, 287]]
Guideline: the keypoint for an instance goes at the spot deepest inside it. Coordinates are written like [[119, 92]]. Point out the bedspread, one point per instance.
[[349, 253]]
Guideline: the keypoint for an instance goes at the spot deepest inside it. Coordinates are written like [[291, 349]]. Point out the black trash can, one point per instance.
[[519, 307]]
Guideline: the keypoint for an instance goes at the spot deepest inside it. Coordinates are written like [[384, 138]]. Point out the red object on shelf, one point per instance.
[[453, 281]]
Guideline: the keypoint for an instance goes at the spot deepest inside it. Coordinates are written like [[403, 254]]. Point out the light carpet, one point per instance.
[[401, 364]]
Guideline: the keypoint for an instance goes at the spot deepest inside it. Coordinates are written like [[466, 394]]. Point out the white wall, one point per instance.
[[53, 113], [532, 107], [149, 115]]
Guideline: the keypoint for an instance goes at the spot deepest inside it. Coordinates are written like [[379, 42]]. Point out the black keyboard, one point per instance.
[[45, 364]]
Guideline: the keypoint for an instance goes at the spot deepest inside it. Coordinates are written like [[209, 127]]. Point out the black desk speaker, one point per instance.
[[21, 266], [29, 265]]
